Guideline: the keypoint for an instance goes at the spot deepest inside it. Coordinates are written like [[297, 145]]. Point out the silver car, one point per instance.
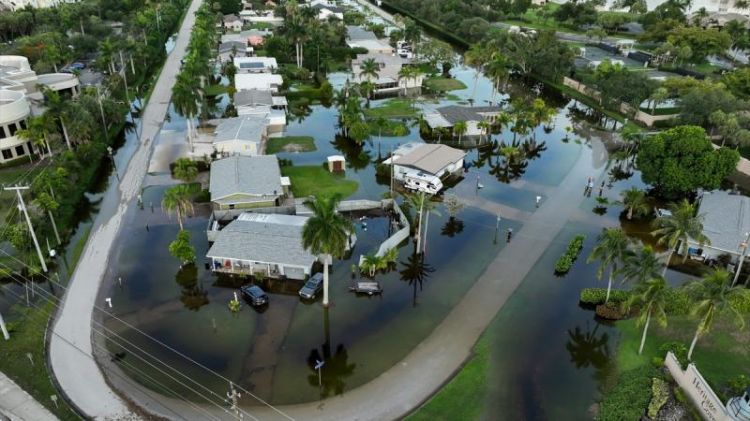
[[312, 287]]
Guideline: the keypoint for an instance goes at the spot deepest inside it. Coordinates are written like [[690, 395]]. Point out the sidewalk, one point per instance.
[[18, 405]]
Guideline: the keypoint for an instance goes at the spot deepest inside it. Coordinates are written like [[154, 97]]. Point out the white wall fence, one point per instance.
[[397, 237], [697, 389]]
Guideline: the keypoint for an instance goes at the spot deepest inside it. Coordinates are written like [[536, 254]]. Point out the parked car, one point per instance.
[[255, 295], [78, 65], [312, 287]]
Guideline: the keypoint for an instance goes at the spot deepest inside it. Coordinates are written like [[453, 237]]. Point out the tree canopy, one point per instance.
[[682, 159]]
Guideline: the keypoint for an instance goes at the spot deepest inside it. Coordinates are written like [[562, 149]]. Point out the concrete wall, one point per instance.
[[697, 389], [626, 109]]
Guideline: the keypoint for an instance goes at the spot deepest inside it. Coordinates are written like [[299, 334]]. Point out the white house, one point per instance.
[[447, 117], [261, 81], [362, 38], [253, 16], [388, 79], [232, 22], [243, 135], [16, 74], [726, 223], [262, 244], [325, 11], [255, 64], [421, 165], [245, 182], [262, 103]]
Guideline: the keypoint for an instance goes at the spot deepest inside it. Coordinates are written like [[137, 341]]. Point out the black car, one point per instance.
[[255, 295], [312, 287]]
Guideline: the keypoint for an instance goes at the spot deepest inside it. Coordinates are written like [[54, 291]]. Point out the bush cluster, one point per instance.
[[611, 311], [741, 301], [659, 397], [565, 262], [630, 395], [595, 296]]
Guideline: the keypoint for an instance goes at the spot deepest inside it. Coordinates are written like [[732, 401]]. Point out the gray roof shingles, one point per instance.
[[726, 219], [252, 175]]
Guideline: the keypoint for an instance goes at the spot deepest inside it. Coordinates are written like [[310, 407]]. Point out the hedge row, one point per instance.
[[630, 396], [565, 262], [678, 301]]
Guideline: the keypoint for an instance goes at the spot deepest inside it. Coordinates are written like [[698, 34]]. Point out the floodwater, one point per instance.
[[178, 318]]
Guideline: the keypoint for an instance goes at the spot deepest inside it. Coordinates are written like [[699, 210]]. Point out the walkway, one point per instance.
[[18, 405], [70, 346]]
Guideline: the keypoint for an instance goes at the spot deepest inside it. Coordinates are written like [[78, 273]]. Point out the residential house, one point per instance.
[[326, 11], [255, 64], [261, 16], [388, 79], [268, 245], [357, 37], [262, 103], [232, 22], [447, 117], [261, 81], [420, 166], [243, 135], [726, 224], [246, 182], [228, 50]]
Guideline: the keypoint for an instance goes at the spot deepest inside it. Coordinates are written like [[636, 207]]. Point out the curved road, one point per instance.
[[70, 350]]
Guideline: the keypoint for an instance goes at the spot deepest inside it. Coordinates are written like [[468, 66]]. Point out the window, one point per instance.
[[22, 124], [7, 154], [20, 151], [2, 132], [12, 127]]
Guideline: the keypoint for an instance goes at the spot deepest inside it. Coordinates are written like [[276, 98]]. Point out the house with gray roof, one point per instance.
[[244, 182], [726, 224], [262, 102], [419, 164], [262, 244], [243, 135], [447, 117]]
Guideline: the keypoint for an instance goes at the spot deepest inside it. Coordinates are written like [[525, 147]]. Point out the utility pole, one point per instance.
[[234, 397], [743, 246], [101, 110], [6, 335], [28, 221]]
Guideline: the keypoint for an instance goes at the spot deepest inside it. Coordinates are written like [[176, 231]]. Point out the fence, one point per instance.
[[695, 386], [626, 109]]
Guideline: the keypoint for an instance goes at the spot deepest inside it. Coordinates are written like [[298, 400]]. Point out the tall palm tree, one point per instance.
[[185, 169], [185, 94], [369, 69], [611, 248], [57, 107], [477, 56], [420, 201], [178, 199], [651, 296], [497, 70], [714, 295], [37, 132], [459, 129], [485, 127], [540, 113], [676, 229], [641, 265], [635, 202], [326, 233], [48, 204]]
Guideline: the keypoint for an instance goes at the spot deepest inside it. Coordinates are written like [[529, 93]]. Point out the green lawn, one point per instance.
[[463, 397], [213, 90], [444, 84], [13, 174], [391, 109], [388, 130], [316, 180], [27, 337], [290, 144], [719, 355]]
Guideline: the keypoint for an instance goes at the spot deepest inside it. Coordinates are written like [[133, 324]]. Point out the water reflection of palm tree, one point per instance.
[[336, 369], [587, 349], [192, 295], [415, 270], [357, 157], [452, 227], [485, 153]]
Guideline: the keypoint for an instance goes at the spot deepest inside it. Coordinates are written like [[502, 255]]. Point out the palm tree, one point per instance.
[[660, 95], [185, 169], [178, 199], [497, 70], [380, 123], [676, 229], [57, 107], [611, 248], [540, 113], [714, 296], [37, 132], [476, 56], [422, 202], [641, 265], [326, 233], [651, 296], [185, 94], [484, 126], [459, 129], [635, 202], [369, 69], [367, 88], [48, 204]]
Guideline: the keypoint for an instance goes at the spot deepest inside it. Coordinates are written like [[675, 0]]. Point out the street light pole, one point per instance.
[[743, 246], [28, 221]]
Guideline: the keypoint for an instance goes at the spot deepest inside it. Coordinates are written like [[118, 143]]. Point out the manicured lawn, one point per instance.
[[27, 337], [388, 130], [719, 355], [463, 397], [444, 84], [391, 109], [290, 144], [316, 180], [213, 90]]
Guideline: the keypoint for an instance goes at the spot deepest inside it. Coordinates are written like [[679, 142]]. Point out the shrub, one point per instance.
[[678, 302], [565, 262], [738, 384], [741, 301], [595, 296], [678, 349], [611, 311], [659, 396], [630, 396]]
